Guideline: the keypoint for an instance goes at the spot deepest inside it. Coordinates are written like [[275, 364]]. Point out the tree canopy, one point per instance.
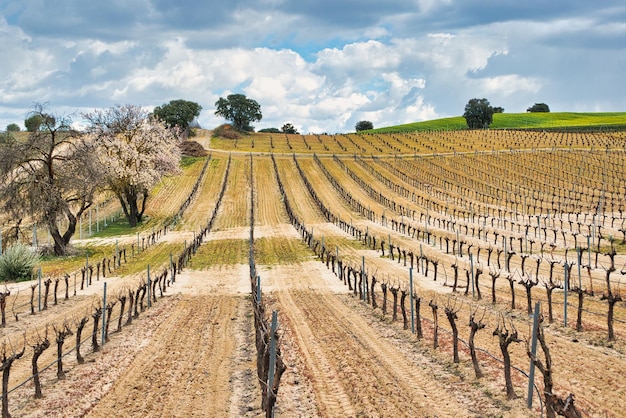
[[240, 110], [136, 151], [538, 107], [364, 125], [13, 127], [37, 119], [288, 128], [180, 113], [478, 113]]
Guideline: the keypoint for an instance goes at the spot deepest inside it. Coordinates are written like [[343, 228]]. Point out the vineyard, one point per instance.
[[404, 271]]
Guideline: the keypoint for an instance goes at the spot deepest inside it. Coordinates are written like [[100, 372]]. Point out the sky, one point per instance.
[[321, 65]]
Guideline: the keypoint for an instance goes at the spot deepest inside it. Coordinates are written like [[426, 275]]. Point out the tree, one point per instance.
[[13, 127], [240, 110], [135, 151], [288, 128], [50, 177], [364, 125], [180, 113], [538, 107], [270, 130], [37, 119], [498, 109], [478, 113]]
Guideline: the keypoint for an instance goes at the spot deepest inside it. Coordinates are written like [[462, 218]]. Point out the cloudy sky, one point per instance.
[[321, 65]]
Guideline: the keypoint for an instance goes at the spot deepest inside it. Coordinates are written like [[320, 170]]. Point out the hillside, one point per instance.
[[552, 120]]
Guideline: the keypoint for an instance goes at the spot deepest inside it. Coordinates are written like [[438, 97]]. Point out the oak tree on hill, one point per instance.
[[288, 128], [478, 114], [180, 113], [364, 125], [136, 151], [240, 110], [539, 107]]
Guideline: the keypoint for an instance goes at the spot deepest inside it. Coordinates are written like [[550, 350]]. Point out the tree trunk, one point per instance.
[[94, 334], [455, 334], [38, 350], [474, 327], [79, 331]]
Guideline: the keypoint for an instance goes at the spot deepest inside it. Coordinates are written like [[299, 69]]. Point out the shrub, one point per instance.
[[192, 149], [17, 263], [226, 131]]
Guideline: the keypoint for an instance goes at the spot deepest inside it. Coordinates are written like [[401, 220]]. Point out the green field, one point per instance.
[[552, 120]]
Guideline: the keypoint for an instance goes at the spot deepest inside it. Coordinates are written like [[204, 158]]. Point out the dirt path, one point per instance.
[[354, 370], [185, 369]]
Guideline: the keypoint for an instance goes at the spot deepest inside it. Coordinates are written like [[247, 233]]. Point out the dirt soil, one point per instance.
[[193, 353]]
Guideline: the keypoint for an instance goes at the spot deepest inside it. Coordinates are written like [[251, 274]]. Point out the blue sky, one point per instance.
[[321, 65]]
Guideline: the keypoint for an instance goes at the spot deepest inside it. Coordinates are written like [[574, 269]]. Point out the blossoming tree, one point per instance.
[[136, 151]]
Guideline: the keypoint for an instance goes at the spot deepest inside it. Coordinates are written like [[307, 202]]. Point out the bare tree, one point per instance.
[[528, 284], [494, 276], [418, 318], [3, 305], [404, 292], [394, 292], [80, 325], [96, 315], [505, 338], [475, 326], [50, 176], [61, 334], [39, 346], [609, 296], [121, 297], [7, 361], [554, 405], [434, 307], [451, 311]]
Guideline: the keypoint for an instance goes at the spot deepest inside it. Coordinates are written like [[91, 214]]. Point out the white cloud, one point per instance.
[[509, 84], [307, 64]]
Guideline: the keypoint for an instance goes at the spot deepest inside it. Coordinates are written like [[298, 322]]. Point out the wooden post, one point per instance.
[[531, 374], [172, 268], [272, 365], [104, 310], [363, 284], [39, 278], [411, 300], [589, 250], [258, 290], [472, 270], [565, 290], [149, 296], [578, 261]]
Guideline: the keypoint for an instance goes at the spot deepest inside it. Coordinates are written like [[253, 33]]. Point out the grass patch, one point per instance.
[[221, 252], [56, 266], [155, 256], [549, 120], [186, 161], [275, 251]]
